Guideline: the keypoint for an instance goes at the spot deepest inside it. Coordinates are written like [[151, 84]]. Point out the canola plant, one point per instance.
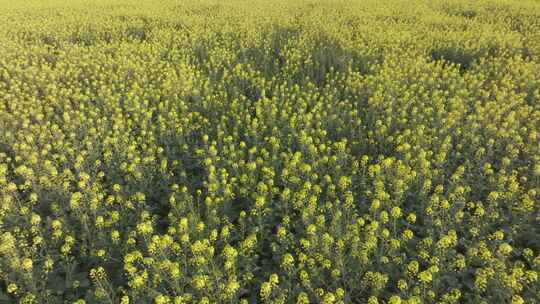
[[306, 151]]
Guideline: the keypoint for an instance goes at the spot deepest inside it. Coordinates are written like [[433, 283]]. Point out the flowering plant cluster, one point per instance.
[[310, 151]]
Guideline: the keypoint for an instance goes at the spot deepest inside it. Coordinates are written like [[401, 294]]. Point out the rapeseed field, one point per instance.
[[284, 151]]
